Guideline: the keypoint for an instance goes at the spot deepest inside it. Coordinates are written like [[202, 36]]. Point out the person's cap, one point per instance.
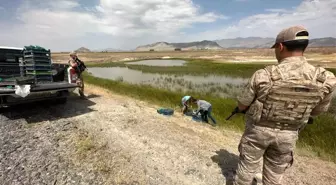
[[291, 34], [185, 99], [73, 53]]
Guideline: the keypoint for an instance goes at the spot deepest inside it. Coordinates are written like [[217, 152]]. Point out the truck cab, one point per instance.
[[29, 75]]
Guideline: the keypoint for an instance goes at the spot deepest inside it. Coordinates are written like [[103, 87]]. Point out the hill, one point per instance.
[[165, 46], [82, 50], [323, 42], [109, 50], [248, 42], [259, 42]]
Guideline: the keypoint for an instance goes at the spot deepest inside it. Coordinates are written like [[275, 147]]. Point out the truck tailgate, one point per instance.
[[42, 87]]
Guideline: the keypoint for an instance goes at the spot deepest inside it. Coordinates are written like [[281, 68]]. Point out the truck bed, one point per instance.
[[32, 66]]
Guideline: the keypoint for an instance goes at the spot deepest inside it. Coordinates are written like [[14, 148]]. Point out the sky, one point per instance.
[[64, 25]]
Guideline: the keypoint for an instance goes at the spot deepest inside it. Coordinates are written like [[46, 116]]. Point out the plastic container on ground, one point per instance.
[[166, 111]]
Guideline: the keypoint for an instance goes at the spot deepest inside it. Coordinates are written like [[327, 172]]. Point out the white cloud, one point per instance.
[[137, 17], [67, 24], [48, 21], [2, 8], [64, 4], [318, 16], [278, 10]]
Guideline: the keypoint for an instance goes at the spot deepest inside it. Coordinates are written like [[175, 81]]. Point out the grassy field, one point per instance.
[[318, 138], [193, 67], [196, 67], [325, 57], [167, 98]]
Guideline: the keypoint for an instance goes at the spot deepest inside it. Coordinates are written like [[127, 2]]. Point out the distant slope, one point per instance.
[[165, 46], [323, 42], [249, 42], [258, 42], [82, 50]]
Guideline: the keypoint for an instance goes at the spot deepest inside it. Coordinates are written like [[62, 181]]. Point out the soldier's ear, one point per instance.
[[281, 47]]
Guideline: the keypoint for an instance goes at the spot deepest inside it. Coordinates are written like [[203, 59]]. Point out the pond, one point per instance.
[[159, 62], [223, 86]]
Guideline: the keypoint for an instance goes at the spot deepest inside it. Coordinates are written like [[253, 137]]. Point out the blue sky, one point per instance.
[[64, 25], [238, 9]]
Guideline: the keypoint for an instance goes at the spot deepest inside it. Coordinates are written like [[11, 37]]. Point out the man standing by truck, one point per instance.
[[79, 67], [280, 100]]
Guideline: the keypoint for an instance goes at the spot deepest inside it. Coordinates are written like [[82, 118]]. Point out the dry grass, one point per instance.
[[85, 143], [104, 160]]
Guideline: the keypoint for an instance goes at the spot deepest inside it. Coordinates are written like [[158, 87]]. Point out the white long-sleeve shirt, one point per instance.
[[203, 105]]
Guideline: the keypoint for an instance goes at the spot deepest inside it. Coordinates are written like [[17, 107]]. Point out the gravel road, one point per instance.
[[112, 139]]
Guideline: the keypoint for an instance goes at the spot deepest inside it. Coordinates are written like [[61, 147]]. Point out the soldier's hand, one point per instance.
[[236, 110], [310, 121]]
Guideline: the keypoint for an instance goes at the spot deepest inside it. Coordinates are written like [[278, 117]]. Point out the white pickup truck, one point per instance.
[[23, 79]]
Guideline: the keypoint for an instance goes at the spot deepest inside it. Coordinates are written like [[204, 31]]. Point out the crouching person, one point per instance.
[[205, 108], [186, 101]]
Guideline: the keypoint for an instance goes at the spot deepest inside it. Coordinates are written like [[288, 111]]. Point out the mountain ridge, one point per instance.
[[231, 43], [164, 46], [239, 42], [82, 50]]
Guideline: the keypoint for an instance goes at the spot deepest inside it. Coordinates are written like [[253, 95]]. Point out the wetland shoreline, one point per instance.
[[317, 138]]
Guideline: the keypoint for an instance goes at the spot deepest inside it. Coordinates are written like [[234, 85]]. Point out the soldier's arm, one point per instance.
[[72, 63], [255, 87], [329, 89], [323, 106]]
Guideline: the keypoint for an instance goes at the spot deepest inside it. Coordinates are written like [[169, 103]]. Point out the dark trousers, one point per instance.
[[205, 114]]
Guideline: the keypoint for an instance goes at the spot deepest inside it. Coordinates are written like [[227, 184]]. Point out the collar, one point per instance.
[[293, 59]]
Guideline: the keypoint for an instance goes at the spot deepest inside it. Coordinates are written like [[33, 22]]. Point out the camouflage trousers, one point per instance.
[[273, 148], [80, 83]]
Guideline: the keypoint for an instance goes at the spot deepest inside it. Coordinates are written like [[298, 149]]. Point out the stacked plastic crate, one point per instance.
[[38, 64], [9, 64]]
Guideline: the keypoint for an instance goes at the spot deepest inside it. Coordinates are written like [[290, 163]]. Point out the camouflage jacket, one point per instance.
[[292, 67]]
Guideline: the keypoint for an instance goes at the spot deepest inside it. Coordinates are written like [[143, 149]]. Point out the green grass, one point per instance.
[[201, 67], [333, 70], [166, 98], [106, 64], [193, 67], [319, 137]]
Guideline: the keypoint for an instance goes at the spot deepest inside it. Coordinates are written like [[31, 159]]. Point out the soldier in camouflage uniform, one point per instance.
[[280, 100], [73, 63]]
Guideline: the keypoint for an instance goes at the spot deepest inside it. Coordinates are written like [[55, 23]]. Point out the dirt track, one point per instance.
[[111, 139]]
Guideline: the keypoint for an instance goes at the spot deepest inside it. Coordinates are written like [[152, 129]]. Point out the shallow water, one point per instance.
[[159, 62], [135, 76], [223, 86]]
